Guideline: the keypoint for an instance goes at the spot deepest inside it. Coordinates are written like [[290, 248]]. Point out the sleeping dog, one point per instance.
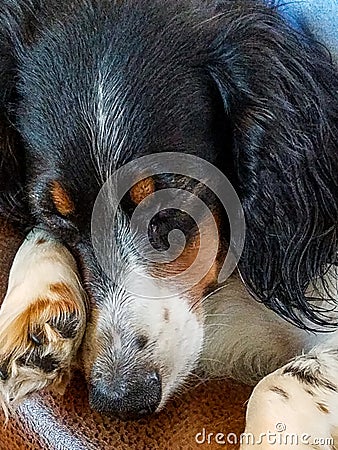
[[88, 87]]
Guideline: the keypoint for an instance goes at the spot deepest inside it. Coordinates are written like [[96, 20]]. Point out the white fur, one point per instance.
[[308, 409], [235, 336], [174, 345], [178, 341], [244, 339], [40, 263], [25, 282]]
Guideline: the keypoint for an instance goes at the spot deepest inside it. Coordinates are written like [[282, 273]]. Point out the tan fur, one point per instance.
[[194, 252], [61, 199], [142, 189], [240, 337], [31, 308]]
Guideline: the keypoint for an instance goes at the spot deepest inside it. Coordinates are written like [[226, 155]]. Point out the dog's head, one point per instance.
[[146, 332], [228, 82]]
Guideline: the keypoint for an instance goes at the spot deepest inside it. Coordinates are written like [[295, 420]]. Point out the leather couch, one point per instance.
[[66, 422]]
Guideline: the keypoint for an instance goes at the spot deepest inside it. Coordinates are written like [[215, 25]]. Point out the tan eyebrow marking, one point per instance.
[[142, 189], [61, 199]]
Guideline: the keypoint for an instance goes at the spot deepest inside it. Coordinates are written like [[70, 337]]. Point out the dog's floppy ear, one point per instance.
[[281, 95]]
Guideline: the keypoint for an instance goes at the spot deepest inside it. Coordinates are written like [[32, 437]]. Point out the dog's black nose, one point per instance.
[[130, 398]]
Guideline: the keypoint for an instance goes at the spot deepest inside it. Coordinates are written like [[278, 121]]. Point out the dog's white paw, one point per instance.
[[42, 319], [294, 407]]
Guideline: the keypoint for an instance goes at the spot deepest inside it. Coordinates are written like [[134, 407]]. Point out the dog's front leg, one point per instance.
[[42, 319], [297, 405]]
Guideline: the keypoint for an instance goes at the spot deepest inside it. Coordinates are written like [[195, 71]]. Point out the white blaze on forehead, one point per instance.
[[110, 115], [104, 120]]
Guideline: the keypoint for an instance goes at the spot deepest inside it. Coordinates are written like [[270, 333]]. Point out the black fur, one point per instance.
[[229, 81]]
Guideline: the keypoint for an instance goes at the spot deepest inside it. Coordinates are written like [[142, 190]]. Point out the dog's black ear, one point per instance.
[[280, 92]]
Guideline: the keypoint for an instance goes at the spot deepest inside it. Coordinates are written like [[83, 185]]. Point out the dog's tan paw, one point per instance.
[[42, 320]]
